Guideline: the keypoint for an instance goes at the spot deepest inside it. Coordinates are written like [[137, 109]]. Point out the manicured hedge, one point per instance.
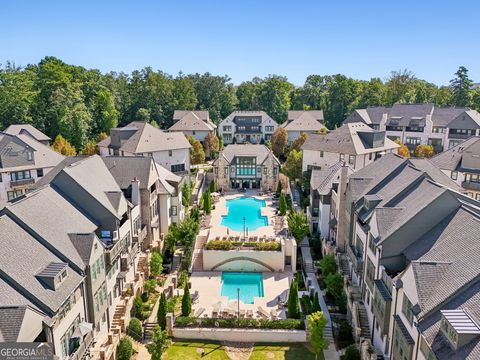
[[287, 324], [229, 245]]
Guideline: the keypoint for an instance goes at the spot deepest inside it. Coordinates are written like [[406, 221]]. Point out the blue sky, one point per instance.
[[247, 38]]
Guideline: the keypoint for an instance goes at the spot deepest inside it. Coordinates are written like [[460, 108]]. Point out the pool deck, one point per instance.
[[209, 284], [219, 230]]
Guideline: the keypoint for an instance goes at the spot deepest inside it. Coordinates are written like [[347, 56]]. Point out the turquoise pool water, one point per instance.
[[250, 285], [244, 207]]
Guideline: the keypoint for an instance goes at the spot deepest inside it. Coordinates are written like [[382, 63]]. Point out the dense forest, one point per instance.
[[80, 103]]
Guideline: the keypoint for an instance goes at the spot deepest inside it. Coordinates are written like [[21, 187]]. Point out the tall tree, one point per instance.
[[293, 165], [186, 302], [211, 144], [316, 326], [299, 141], [461, 87], [298, 225], [398, 85], [274, 97], [159, 343], [62, 146], [162, 311], [197, 154], [293, 306], [279, 141], [247, 95]]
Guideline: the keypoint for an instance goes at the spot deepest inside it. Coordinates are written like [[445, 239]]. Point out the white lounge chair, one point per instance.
[[263, 313], [199, 312]]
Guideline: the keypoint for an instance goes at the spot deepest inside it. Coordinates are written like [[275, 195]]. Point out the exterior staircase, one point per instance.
[[143, 265], [328, 334], [118, 324], [344, 266], [148, 327], [362, 313]]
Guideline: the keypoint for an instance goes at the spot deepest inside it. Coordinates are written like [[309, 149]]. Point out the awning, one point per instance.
[[82, 329]]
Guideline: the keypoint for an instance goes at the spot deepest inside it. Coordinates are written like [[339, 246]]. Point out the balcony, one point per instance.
[[126, 260], [355, 258], [115, 250], [80, 352], [459, 136], [471, 185], [140, 236], [22, 182]]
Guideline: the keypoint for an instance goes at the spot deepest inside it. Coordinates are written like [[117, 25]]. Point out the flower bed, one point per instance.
[[229, 245], [284, 324]]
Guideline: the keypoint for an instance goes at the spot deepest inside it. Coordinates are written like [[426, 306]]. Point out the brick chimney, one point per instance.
[[342, 231], [135, 191]]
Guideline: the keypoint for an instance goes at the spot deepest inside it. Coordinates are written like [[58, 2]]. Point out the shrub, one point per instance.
[[156, 262], [282, 207], [306, 304], [328, 265], [334, 284], [124, 349], [186, 302], [345, 336], [268, 246], [293, 306], [287, 324], [219, 245], [135, 329], [183, 279], [351, 353], [212, 187], [149, 285], [137, 307], [315, 303], [162, 312]]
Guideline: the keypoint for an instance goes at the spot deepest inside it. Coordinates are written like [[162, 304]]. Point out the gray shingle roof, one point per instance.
[[27, 129], [146, 139], [304, 121], [201, 114], [264, 116], [83, 243], [191, 121], [322, 180], [451, 159], [22, 258], [346, 140], [259, 151], [11, 320]]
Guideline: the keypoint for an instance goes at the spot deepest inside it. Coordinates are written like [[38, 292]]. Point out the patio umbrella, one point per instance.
[[82, 329]]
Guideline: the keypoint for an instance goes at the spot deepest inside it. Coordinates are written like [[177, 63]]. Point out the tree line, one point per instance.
[[81, 103]]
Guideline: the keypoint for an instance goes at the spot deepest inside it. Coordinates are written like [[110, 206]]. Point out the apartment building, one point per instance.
[[160, 194], [168, 149], [462, 164], [416, 124], [246, 166], [396, 219], [88, 184], [194, 123], [355, 143], [303, 121], [253, 127], [23, 160]]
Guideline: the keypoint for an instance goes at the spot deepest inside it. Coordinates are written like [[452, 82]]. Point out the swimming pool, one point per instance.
[[250, 285], [244, 207]]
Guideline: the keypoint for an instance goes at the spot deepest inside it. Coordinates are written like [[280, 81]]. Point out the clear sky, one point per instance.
[[247, 38]]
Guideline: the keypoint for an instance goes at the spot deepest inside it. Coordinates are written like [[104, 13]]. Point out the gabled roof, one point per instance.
[[262, 114], [145, 138], [26, 129], [83, 243], [451, 159], [469, 119], [125, 168], [41, 211], [304, 121], [19, 323], [191, 121], [349, 139], [22, 257], [260, 152], [409, 114], [322, 180]]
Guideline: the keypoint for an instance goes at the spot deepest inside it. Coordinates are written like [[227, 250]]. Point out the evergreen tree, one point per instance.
[[293, 304], [212, 188], [162, 312], [316, 326], [282, 205], [461, 87], [279, 187], [316, 304], [186, 302], [124, 349]]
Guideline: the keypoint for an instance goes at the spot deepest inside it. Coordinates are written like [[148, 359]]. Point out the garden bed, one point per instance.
[[284, 324]]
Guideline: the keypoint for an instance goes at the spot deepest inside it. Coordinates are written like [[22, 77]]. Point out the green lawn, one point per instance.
[[188, 351], [214, 351]]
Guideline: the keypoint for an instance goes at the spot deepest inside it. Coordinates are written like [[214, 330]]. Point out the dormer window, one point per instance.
[[458, 327], [53, 275]]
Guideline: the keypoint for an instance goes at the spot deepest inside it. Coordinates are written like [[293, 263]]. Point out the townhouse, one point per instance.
[[303, 121], [355, 143], [23, 160], [253, 127], [168, 149], [421, 124], [193, 123], [462, 164], [397, 211], [160, 194], [246, 166]]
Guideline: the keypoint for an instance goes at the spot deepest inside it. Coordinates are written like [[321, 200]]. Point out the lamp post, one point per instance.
[[244, 227], [238, 304]]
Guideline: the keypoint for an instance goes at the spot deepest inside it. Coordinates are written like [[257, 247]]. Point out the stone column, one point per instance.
[[170, 321]]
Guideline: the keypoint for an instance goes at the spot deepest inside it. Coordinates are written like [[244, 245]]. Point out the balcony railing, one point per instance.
[[127, 260], [80, 352], [356, 259], [115, 250], [459, 136], [22, 182], [471, 185]]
